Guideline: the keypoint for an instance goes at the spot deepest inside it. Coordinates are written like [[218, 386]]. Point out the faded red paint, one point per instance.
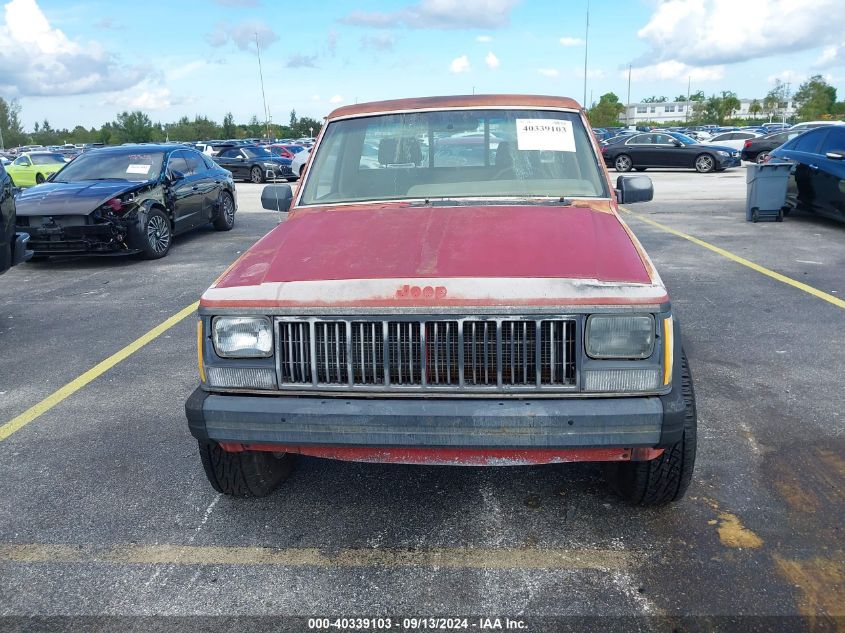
[[404, 242], [456, 456]]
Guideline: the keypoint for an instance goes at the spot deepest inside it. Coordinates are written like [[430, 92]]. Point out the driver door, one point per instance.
[[186, 194]]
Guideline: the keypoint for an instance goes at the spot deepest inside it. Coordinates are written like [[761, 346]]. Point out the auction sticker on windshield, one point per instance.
[[551, 135], [138, 169]]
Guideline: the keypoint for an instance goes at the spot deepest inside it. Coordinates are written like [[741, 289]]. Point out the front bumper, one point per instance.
[[723, 162], [78, 239], [648, 421]]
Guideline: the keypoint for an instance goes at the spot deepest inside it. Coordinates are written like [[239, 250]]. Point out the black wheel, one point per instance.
[[761, 157], [755, 214], [623, 162], [301, 170], [666, 478], [704, 163], [640, 168], [157, 235], [256, 175], [225, 219], [246, 474], [39, 178]]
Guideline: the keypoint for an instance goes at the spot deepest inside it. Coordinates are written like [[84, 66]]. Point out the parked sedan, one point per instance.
[[254, 163], [127, 199], [817, 181], [757, 149], [285, 150], [300, 161], [734, 139], [658, 149], [33, 168], [13, 245]]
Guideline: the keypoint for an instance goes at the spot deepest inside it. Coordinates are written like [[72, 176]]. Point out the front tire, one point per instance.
[[256, 175], [225, 219], [666, 478], [158, 235], [246, 474], [39, 178], [704, 163], [623, 163]]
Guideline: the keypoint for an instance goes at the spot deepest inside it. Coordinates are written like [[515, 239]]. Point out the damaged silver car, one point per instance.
[[125, 200]]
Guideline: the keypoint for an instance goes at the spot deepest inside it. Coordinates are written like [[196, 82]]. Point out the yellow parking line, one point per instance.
[[444, 557], [820, 294], [20, 421]]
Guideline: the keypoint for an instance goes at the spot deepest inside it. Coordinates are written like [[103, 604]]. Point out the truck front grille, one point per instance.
[[467, 354]]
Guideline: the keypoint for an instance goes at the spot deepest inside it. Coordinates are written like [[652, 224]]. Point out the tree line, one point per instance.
[[815, 100], [138, 127]]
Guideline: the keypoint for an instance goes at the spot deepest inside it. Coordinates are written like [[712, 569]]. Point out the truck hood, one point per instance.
[[369, 255], [71, 198]]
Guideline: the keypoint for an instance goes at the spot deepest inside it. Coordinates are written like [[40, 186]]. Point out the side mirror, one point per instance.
[[241, 158], [677, 143], [175, 176], [16, 191], [630, 189], [835, 155], [277, 198]]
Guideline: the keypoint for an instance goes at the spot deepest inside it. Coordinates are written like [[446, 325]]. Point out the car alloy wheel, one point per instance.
[[256, 176], [225, 219], [761, 157], [158, 233], [704, 164], [623, 163]]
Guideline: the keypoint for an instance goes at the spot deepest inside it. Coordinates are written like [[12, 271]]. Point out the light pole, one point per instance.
[[586, 48], [263, 97]]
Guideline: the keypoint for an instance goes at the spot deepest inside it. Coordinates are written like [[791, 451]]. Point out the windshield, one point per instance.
[[258, 152], [106, 165], [454, 154], [683, 138], [47, 159]]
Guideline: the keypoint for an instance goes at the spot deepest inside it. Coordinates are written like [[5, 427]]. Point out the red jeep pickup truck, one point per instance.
[[453, 285]]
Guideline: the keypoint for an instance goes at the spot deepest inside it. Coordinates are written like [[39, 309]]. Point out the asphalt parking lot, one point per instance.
[[104, 509]]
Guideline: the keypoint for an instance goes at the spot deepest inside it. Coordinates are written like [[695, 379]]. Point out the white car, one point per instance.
[[734, 139], [809, 125], [299, 161]]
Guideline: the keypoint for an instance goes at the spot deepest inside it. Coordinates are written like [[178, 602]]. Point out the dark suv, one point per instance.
[[12, 245]]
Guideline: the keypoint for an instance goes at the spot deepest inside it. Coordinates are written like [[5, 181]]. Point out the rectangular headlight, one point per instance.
[[242, 337], [618, 336]]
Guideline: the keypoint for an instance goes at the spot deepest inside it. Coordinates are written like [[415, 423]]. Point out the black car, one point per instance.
[[13, 245], [254, 163], [817, 181], [127, 199], [757, 149], [668, 149]]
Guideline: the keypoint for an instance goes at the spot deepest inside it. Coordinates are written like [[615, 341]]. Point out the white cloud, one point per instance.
[[242, 35], [379, 42], [439, 14], [315, 97], [594, 73], [37, 59], [713, 32], [675, 70], [831, 56], [180, 72], [548, 72], [787, 75], [460, 65], [336, 99], [491, 60], [571, 41], [484, 39], [148, 95]]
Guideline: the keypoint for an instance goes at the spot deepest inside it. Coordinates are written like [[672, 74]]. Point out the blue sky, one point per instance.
[[82, 62]]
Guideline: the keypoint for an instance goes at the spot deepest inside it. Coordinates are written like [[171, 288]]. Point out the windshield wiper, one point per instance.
[[105, 178], [463, 202]]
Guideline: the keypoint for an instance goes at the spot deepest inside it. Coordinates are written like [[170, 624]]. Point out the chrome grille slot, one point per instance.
[[557, 356], [330, 352], [404, 352], [479, 352], [441, 352], [295, 352], [519, 356], [367, 353]]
